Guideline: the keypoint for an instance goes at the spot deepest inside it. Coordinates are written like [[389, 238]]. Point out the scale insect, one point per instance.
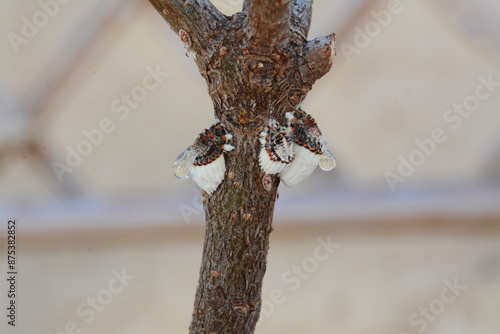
[[293, 152], [204, 159], [309, 148], [276, 148]]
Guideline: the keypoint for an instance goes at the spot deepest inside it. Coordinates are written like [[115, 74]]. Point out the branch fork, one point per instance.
[[258, 66]]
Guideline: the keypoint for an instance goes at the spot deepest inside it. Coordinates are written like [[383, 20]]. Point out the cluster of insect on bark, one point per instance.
[[293, 150]]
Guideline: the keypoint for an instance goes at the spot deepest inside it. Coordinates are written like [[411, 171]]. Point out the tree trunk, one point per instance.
[[258, 64]]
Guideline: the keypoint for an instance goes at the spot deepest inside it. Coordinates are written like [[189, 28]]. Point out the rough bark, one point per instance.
[[257, 64], [268, 22]]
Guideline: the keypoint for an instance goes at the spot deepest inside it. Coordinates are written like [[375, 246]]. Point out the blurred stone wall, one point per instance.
[[402, 71]]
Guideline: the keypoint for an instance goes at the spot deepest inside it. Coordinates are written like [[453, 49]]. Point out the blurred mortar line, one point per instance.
[[467, 209]]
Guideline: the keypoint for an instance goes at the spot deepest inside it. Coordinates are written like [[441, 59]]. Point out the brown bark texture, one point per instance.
[[257, 64]]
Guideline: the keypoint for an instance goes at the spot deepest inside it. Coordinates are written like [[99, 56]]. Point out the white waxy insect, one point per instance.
[[276, 148], [308, 148], [205, 158]]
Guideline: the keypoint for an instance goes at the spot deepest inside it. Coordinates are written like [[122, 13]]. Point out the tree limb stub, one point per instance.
[[320, 53], [258, 65]]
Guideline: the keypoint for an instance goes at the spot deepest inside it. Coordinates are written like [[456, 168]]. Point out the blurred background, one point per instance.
[[402, 237]]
